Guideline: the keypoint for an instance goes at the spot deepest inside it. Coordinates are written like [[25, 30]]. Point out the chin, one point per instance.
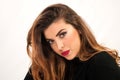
[[69, 58]]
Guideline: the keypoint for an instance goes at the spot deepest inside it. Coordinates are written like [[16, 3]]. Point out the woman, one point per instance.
[[62, 47]]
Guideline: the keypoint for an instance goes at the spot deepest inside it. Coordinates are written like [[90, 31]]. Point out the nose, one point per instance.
[[59, 44]]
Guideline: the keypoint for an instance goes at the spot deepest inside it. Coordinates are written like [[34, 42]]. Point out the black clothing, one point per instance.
[[28, 76], [101, 66]]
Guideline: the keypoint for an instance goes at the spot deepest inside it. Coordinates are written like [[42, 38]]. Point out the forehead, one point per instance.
[[55, 27]]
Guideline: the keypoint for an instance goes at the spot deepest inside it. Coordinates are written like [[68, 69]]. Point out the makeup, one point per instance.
[[65, 53]]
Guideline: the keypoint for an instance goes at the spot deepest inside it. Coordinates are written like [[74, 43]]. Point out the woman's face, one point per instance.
[[63, 39]]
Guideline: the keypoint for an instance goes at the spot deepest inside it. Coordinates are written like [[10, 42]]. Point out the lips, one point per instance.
[[65, 53]]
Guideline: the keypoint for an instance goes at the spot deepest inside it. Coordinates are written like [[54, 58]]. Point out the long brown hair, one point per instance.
[[46, 64]]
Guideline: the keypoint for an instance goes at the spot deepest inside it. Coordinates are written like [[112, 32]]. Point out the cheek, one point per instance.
[[54, 48], [69, 39], [72, 40]]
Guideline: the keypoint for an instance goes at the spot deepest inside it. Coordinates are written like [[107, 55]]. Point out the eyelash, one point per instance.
[[62, 35], [50, 41]]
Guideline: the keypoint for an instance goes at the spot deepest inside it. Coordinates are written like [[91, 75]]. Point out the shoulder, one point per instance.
[[102, 54], [28, 75], [103, 58], [103, 66]]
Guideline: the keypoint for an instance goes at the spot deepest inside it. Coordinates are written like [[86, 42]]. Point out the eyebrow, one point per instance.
[[59, 32]]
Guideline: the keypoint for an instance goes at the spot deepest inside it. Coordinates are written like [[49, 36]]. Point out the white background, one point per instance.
[[17, 16]]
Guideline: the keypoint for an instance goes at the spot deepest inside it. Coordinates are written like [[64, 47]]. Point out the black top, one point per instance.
[[101, 66]]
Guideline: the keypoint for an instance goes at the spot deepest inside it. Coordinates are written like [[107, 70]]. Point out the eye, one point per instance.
[[50, 41], [62, 35]]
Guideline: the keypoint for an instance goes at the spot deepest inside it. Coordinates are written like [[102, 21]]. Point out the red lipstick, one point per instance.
[[65, 53]]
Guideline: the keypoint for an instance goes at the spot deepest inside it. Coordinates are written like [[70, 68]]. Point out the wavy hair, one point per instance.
[[46, 64]]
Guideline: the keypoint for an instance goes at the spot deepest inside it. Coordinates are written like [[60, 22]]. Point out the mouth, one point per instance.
[[65, 53]]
